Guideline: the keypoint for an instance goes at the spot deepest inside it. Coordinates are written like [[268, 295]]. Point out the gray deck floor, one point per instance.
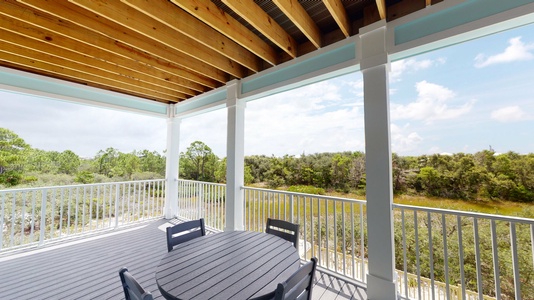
[[87, 268]]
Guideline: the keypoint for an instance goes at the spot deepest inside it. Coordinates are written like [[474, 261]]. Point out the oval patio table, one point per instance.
[[227, 265]]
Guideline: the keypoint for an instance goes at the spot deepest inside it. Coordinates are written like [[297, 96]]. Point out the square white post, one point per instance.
[[235, 158], [381, 279], [172, 164]]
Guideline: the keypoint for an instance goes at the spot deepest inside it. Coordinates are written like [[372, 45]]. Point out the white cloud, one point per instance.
[[509, 114], [410, 65], [58, 126], [304, 120], [516, 51], [403, 139], [432, 104]]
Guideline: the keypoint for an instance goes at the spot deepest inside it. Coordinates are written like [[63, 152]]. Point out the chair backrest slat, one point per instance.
[[299, 285], [189, 230], [132, 289], [284, 229]]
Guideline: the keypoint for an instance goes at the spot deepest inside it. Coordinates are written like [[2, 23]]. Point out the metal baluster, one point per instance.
[[431, 254], [362, 246], [327, 237], [23, 219], [43, 218], [344, 241], [319, 240], [76, 209], [515, 261], [477, 257], [404, 253], [12, 237], [461, 255], [417, 256], [83, 211], [32, 220], [2, 220], [352, 240], [445, 255], [61, 212], [91, 208], [496, 270]]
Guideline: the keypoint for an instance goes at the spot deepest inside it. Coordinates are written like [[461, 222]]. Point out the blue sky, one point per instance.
[[463, 98]]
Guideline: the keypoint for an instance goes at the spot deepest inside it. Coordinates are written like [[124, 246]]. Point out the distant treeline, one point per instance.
[[483, 175]]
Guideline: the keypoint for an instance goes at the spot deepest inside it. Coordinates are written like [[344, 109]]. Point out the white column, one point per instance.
[[381, 279], [235, 157], [172, 164]]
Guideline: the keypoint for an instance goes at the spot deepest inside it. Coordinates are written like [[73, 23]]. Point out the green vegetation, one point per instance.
[[21, 165]]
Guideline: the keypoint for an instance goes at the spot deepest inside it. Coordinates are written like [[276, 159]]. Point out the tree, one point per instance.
[[152, 162], [198, 162], [12, 153], [68, 162], [105, 161]]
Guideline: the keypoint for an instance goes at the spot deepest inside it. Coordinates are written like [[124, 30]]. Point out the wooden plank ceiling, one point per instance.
[[172, 50]]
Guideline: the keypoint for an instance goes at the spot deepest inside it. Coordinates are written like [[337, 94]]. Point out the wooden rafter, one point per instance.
[[100, 33], [298, 15], [258, 18], [172, 50], [132, 19], [47, 42], [381, 5], [338, 12], [179, 20], [209, 13], [39, 61]]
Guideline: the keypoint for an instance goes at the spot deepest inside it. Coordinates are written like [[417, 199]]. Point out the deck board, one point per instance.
[[87, 268]]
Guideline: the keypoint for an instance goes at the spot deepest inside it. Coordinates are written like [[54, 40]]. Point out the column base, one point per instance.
[[380, 289]]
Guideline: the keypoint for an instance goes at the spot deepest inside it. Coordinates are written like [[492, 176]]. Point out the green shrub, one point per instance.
[[306, 189]]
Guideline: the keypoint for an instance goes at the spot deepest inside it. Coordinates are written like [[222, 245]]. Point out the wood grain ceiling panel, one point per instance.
[[172, 50]]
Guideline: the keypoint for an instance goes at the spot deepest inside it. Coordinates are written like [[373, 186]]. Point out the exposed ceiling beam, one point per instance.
[[381, 5], [130, 18], [298, 15], [179, 20], [258, 18], [338, 12], [50, 43], [209, 13], [101, 33], [52, 64]]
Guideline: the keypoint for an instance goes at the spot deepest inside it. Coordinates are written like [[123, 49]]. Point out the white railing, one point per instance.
[[197, 199], [32, 216], [455, 253], [440, 254], [332, 229]]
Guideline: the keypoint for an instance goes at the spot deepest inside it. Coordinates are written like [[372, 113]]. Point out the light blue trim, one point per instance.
[[457, 15], [70, 90], [200, 102], [316, 63]]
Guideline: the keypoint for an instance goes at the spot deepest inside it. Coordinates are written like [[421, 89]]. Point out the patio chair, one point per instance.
[[284, 229], [184, 232], [298, 286], [132, 289]]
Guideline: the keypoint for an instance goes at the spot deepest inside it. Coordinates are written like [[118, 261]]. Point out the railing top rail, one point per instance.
[[75, 186], [305, 195], [203, 182], [465, 214]]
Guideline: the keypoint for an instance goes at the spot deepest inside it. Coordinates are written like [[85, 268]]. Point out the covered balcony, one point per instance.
[[177, 59]]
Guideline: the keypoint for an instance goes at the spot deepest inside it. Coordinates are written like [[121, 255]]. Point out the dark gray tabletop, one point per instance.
[[227, 265]]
